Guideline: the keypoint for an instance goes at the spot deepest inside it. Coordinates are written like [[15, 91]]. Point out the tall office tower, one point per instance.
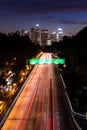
[[44, 37], [36, 34], [37, 37], [32, 34], [60, 34], [53, 37], [24, 32]]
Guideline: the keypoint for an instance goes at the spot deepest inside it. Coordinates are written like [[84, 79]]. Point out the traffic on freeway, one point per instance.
[[42, 105]]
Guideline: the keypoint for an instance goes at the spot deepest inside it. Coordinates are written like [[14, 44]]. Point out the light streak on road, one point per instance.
[[36, 107], [33, 96]]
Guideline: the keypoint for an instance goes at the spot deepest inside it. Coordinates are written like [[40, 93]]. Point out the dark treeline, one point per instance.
[[14, 45], [74, 50]]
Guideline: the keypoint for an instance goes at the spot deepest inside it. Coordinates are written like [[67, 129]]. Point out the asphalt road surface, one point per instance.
[[42, 105]]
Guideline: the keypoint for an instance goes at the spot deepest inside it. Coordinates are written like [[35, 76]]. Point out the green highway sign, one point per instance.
[[47, 61]]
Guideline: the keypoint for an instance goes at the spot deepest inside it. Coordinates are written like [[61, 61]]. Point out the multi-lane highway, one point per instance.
[[42, 105]]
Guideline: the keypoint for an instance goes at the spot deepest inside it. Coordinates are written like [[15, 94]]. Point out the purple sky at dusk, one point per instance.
[[70, 15]]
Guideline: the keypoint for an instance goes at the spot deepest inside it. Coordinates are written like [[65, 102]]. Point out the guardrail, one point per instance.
[[79, 115], [14, 101], [73, 113]]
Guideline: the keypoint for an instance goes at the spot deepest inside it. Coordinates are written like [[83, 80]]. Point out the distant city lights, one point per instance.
[[37, 25], [60, 29]]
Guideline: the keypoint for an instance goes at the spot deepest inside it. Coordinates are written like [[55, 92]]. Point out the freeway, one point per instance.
[[42, 105]]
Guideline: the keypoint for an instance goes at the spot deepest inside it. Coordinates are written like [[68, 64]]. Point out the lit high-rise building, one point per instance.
[[44, 37], [60, 34], [53, 37], [32, 34], [35, 34], [24, 32]]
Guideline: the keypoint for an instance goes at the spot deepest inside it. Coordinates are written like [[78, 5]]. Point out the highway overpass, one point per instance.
[[43, 103]]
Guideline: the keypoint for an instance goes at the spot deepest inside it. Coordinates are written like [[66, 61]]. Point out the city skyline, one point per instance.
[[50, 14]]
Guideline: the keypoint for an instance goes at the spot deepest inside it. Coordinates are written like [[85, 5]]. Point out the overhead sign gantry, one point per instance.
[[47, 61]]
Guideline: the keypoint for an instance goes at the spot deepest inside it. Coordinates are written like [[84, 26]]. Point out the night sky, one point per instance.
[[70, 15]]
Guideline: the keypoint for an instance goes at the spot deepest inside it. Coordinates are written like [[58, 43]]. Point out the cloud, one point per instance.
[[68, 22], [37, 7]]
